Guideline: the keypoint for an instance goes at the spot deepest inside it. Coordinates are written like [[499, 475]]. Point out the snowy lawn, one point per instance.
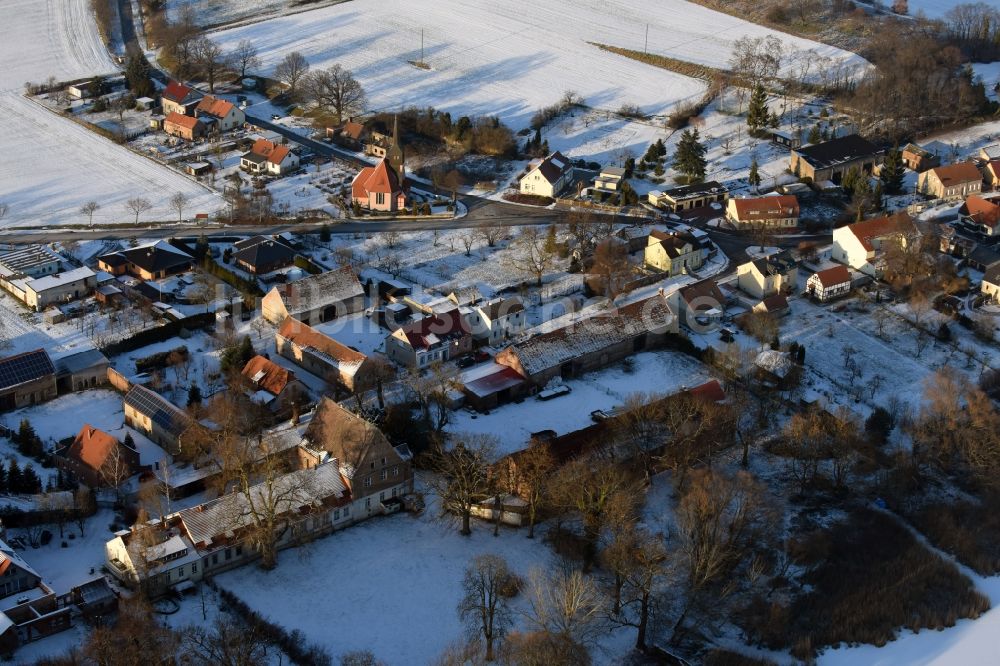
[[65, 164], [487, 59], [390, 584], [64, 416], [357, 331], [658, 372]]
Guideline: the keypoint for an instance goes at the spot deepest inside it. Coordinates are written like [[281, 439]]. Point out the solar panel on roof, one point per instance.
[[24, 368]]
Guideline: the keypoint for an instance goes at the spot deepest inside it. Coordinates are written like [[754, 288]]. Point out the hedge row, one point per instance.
[[159, 334]]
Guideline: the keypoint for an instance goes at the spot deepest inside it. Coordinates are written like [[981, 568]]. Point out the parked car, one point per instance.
[[466, 362]]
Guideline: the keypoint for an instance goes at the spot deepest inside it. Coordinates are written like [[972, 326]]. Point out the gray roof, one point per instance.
[[318, 291], [83, 360], [230, 513], [838, 151]]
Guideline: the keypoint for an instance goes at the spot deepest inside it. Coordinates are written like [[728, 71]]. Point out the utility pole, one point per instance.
[[645, 46], [421, 46]]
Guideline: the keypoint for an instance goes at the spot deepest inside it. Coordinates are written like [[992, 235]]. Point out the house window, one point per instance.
[[336, 514], [368, 482], [229, 554], [393, 492], [379, 198], [239, 551], [373, 464], [215, 559], [194, 568], [381, 496], [383, 462], [347, 511], [368, 502], [180, 572], [383, 475], [395, 470]]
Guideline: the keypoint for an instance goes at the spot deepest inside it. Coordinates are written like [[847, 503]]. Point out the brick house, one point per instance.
[[981, 214], [270, 158], [26, 379], [916, 158], [179, 98], [185, 127], [831, 160], [156, 417], [152, 261], [954, 181], [218, 115], [97, 459]]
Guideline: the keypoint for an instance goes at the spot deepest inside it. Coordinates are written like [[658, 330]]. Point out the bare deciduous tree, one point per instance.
[[226, 642], [484, 607], [178, 202], [88, 209], [291, 70], [462, 477], [566, 604], [210, 60], [245, 57], [335, 90], [138, 206]]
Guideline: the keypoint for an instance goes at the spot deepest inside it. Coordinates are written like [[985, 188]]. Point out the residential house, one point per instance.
[[990, 286], [315, 299], [96, 459], [917, 158], [376, 471], [497, 320], [766, 276], [81, 370], [548, 177], [588, 344], [434, 338], [465, 296], [156, 417], [674, 253], [185, 127], [832, 160], [270, 158], [152, 261], [261, 255], [609, 181], [26, 379], [773, 212], [29, 608], [701, 303], [380, 188], [182, 548], [218, 115], [828, 284], [860, 245], [274, 386], [180, 99], [990, 152], [324, 357], [352, 134], [954, 181], [41, 292], [981, 215], [683, 198]]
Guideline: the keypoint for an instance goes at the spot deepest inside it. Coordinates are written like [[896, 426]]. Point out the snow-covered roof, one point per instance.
[[38, 285], [232, 512], [318, 291], [777, 363]]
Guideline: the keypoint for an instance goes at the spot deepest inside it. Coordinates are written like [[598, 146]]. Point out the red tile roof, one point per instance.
[[766, 208], [881, 227], [275, 378], [419, 332], [179, 119], [711, 391], [92, 447], [982, 211], [833, 276], [176, 92], [953, 174], [269, 150], [303, 335], [775, 303], [379, 178], [214, 106]]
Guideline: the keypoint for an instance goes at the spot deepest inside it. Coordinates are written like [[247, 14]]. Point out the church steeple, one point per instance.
[[394, 153]]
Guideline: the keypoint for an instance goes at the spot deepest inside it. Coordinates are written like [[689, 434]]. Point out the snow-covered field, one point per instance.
[[60, 165], [390, 585], [508, 59]]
